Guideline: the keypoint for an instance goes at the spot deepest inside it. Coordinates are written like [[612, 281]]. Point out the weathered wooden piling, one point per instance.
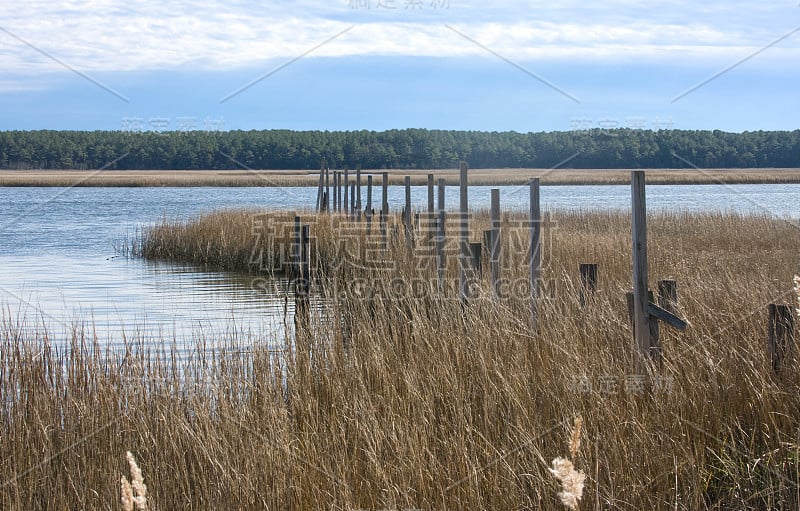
[[294, 266], [346, 207], [384, 209], [407, 212], [463, 235], [440, 235], [327, 189], [534, 254], [780, 335], [319, 188], [431, 204], [339, 187], [588, 282], [303, 284], [335, 191], [494, 213], [475, 249], [358, 193], [352, 201], [368, 211], [430, 215], [668, 295], [641, 327], [385, 194]]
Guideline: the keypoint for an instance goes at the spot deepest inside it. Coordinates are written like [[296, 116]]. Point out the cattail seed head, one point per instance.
[[575, 439]]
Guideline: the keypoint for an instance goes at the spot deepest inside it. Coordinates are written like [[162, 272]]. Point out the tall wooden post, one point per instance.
[[430, 217], [385, 194], [430, 196], [302, 286], [495, 253], [346, 190], [352, 201], [335, 191], [384, 208], [588, 282], [641, 316], [463, 235], [535, 253], [368, 212], [668, 295], [319, 188], [475, 249], [327, 189], [440, 236], [780, 333], [407, 211], [358, 192], [295, 270], [339, 190]]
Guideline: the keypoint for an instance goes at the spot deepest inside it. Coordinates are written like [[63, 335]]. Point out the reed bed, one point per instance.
[[479, 177], [395, 398]]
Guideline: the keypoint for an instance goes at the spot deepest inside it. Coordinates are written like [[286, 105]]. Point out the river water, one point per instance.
[[61, 262]]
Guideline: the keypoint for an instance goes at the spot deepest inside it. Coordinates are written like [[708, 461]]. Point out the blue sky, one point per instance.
[[369, 64]]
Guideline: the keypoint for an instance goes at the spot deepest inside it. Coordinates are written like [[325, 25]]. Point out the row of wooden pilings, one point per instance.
[[343, 195], [469, 253]]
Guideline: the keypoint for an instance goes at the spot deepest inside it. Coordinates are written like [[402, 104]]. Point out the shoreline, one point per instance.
[[305, 178]]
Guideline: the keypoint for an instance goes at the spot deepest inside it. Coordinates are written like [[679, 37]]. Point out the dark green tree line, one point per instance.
[[409, 148]]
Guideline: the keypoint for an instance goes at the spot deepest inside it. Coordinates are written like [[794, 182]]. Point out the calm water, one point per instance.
[[60, 262]]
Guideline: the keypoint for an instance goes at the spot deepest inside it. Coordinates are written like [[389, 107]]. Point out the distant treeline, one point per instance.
[[411, 148]]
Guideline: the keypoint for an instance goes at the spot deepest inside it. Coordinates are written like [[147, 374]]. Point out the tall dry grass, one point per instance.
[[479, 177], [394, 400]]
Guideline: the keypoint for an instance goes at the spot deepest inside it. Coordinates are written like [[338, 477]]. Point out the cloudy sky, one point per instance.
[[382, 64]]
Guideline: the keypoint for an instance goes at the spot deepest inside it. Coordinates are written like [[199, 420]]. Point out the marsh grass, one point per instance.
[[393, 400], [479, 177]]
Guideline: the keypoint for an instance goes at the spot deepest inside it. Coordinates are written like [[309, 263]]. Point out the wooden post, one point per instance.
[[346, 190], [588, 282], [495, 252], [305, 259], [641, 327], [440, 235], [339, 187], [653, 325], [463, 234], [780, 333], [475, 253], [384, 208], [335, 191], [654, 330], [407, 216], [430, 195], [296, 249], [358, 193], [319, 188], [535, 255], [352, 201], [368, 212], [430, 216], [302, 285], [327, 189], [668, 295], [385, 194]]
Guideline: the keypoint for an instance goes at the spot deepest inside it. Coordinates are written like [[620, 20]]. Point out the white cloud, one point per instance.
[[115, 35]]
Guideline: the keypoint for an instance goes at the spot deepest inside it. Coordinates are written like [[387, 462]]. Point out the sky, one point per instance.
[[147, 65]]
